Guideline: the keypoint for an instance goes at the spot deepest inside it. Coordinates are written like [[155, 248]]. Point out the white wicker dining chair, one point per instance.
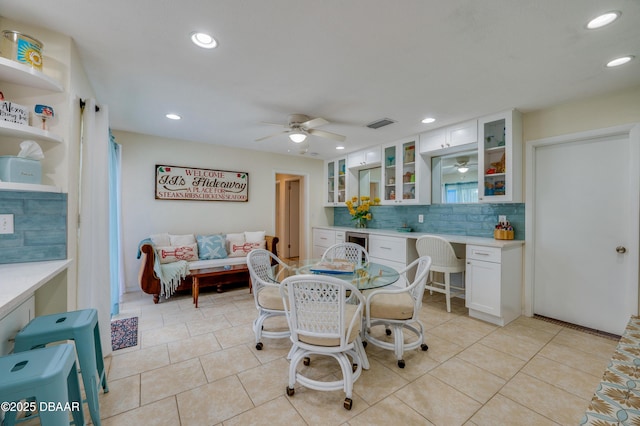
[[266, 292], [323, 323], [351, 252], [444, 261], [396, 308]]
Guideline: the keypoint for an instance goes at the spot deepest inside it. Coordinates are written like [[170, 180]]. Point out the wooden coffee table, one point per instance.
[[221, 272]]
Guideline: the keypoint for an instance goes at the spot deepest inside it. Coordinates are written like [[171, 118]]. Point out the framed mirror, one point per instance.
[[454, 178], [369, 182]]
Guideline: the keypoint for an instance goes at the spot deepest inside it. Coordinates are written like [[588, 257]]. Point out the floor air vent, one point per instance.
[[380, 123]]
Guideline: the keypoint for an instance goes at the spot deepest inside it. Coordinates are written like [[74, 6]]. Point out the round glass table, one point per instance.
[[368, 276]]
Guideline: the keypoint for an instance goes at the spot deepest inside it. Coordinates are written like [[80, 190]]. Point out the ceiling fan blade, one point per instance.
[[315, 122], [325, 134], [270, 136], [273, 124]]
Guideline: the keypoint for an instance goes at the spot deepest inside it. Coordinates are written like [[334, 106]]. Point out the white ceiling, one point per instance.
[[348, 61]]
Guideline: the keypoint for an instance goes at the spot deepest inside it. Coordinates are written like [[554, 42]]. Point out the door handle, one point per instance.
[[621, 249]]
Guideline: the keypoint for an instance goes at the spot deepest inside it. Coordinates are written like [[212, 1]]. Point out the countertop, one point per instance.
[[18, 281], [459, 239]]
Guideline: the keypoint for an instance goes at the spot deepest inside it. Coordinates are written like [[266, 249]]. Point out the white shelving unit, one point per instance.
[[16, 73]]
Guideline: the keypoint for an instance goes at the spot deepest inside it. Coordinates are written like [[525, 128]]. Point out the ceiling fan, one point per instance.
[[300, 126], [462, 164]]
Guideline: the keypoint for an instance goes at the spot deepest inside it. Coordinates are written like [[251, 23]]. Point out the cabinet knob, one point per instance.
[[621, 249]]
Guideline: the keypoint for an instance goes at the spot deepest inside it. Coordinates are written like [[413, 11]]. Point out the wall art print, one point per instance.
[[191, 183]]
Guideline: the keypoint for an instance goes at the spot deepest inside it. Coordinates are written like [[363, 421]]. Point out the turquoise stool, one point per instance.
[[81, 327], [49, 375]]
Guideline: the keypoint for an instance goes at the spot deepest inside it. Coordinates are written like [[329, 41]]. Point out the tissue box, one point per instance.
[[21, 170], [10, 111]]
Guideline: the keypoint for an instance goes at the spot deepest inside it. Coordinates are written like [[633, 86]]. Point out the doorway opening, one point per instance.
[[289, 215]]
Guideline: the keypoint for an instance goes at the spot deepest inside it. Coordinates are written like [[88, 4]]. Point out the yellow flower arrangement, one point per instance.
[[359, 209]]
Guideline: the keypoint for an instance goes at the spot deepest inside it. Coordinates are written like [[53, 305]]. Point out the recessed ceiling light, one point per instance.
[[339, 146], [204, 40], [602, 20], [173, 116], [619, 61], [428, 120]]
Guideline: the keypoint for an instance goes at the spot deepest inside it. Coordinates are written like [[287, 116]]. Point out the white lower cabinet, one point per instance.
[[493, 283], [323, 239], [391, 251], [13, 322]]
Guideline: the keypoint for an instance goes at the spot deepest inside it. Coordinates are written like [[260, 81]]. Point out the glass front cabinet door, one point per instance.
[[335, 182], [403, 174], [500, 158]]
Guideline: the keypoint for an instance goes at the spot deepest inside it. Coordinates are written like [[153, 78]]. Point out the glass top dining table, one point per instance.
[[366, 277]]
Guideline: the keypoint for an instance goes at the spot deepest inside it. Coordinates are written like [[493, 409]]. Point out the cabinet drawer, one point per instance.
[[390, 248], [339, 237], [487, 254], [324, 238]]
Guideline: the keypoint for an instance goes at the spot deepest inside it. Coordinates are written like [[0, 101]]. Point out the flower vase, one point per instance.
[[361, 223]]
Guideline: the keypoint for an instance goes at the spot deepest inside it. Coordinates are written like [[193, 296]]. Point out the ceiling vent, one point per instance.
[[380, 123]]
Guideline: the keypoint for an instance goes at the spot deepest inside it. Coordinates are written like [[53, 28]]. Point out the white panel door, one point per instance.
[[585, 206]]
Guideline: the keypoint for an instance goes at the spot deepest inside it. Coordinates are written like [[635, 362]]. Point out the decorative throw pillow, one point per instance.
[[182, 240], [254, 237], [170, 254], [212, 246], [160, 240], [237, 247]]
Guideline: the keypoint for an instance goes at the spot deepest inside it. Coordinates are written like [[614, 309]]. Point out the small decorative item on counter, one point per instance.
[[359, 209], [503, 231], [21, 48], [45, 113]]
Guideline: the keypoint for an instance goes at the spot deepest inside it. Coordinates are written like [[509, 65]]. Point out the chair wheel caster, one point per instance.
[[401, 363], [364, 344], [388, 331], [348, 403], [259, 346], [290, 391], [424, 347], [306, 361]]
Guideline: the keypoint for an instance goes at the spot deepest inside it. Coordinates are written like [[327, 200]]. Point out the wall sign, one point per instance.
[[188, 183]]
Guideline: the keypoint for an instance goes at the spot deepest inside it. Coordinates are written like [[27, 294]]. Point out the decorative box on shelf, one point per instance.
[[14, 113], [503, 234]]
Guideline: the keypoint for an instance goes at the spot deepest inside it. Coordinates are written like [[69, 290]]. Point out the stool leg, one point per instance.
[[53, 416], [99, 359], [73, 386], [88, 367]]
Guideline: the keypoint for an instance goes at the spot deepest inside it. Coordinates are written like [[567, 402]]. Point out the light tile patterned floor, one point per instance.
[[200, 367]]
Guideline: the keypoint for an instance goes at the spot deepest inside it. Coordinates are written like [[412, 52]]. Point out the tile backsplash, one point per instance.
[[40, 226], [477, 220]]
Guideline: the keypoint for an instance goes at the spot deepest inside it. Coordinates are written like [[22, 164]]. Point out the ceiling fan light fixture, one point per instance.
[[463, 169], [428, 120], [172, 116], [297, 136], [203, 40], [339, 146]]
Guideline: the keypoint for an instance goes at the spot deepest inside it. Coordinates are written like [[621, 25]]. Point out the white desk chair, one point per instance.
[[396, 308], [351, 252], [323, 323], [445, 261]]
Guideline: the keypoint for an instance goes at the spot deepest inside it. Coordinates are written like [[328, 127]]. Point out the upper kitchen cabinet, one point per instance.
[[369, 157], [500, 158], [404, 174], [335, 178], [446, 138]]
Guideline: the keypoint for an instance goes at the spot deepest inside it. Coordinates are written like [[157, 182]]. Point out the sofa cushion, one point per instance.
[[170, 254], [214, 263], [212, 246], [182, 240], [254, 237], [160, 240]]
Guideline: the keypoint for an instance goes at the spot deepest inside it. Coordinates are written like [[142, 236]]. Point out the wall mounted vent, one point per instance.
[[380, 123]]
